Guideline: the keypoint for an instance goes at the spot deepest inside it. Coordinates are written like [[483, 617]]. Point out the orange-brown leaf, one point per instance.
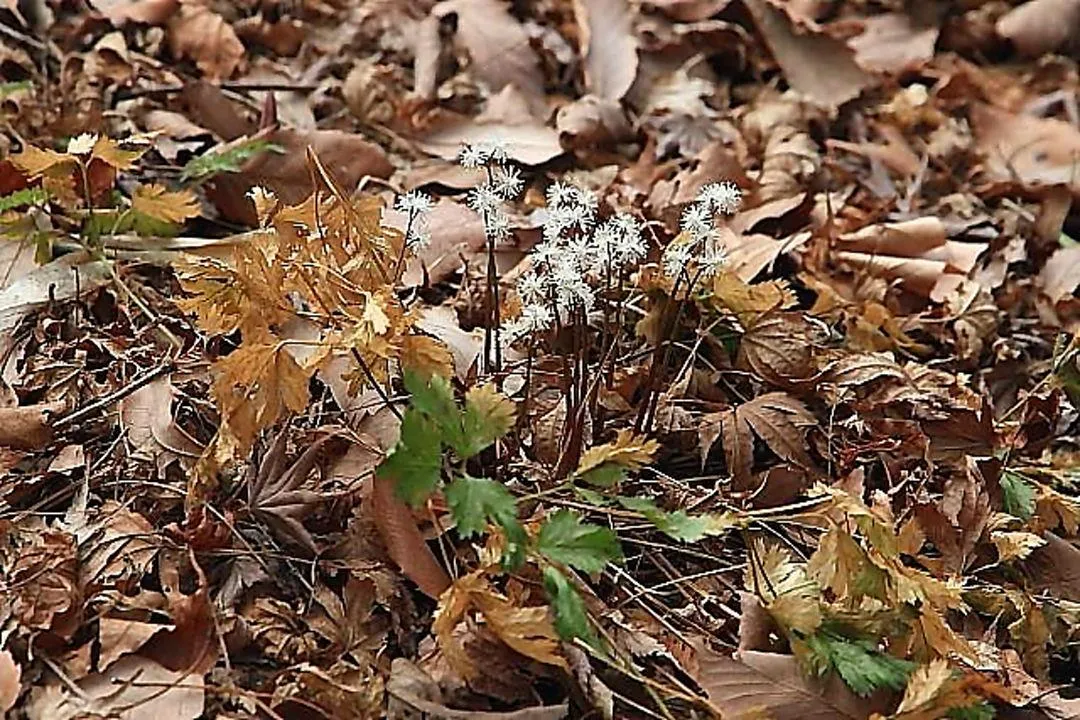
[[165, 205]]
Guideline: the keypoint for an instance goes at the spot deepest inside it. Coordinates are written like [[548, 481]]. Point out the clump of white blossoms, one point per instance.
[[699, 253], [503, 184], [577, 257], [415, 206]]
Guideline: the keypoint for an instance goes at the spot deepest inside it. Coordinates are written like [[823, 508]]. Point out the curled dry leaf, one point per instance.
[[119, 637], [916, 252], [1040, 26], [609, 45], [816, 65], [199, 33]]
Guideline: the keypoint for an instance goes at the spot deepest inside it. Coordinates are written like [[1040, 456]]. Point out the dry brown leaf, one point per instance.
[[917, 252], [10, 681], [778, 347], [404, 542], [505, 121], [780, 421], [457, 234], [465, 347], [1040, 26], [863, 368], [120, 637], [349, 157], [151, 12], [891, 43], [199, 33], [28, 427], [165, 205], [426, 356], [1032, 151], [1060, 276], [738, 448], [816, 65], [146, 415], [628, 451], [499, 49], [134, 688], [609, 46], [772, 683]]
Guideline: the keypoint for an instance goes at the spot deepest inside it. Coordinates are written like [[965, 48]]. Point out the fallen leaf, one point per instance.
[[609, 46], [10, 681], [457, 233], [1040, 26], [147, 417], [1032, 151], [151, 12], [120, 637], [1060, 276], [28, 427], [165, 205], [506, 122], [892, 43], [772, 683], [133, 688], [778, 347], [199, 33], [816, 65]]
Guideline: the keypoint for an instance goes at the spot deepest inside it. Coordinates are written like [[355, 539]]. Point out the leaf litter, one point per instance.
[[537, 360]]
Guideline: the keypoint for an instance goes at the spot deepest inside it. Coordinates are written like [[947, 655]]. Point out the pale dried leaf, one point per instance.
[[1040, 26], [609, 46]]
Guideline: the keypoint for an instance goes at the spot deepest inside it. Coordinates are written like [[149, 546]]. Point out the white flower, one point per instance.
[[536, 317], [495, 151], [472, 156], [507, 182], [559, 193], [418, 237], [630, 249], [722, 197], [414, 203], [483, 199], [545, 253], [531, 288], [497, 226], [676, 258], [82, 144], [711, 260], [696, 220]]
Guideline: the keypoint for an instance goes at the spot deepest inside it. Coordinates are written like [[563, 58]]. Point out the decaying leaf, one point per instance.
[[609, 45]]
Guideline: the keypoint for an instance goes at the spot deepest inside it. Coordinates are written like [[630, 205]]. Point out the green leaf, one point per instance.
[[592, 497], [979, 711], [476, 501], [488, 416], [862, 666], [10, 88], [571, 619], [677, 525], [416, 461], [227, 161], [1018, 496], [22, 198], [606, 475], [434, 397], [565, 539]]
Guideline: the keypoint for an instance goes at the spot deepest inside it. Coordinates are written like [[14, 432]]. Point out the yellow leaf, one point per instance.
[[1053, 509], [925, 685], [165, 205], [254, 386], [266, 202], [939, 639], [492, 408], [790, 596], [911, 537], [36, 161], [841, 565], [628, 451], [426, 356], [1015, 545], [109, 152], [749, 301], [527, 630]]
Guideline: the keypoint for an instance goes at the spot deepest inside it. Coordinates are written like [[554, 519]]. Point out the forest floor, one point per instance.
[[539, 359]]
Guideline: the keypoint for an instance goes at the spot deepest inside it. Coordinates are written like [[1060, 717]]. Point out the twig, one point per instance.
[[114, 396], [237, 86]]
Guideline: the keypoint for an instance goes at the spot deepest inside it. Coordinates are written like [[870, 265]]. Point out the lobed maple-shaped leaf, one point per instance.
[[276, 494], [165, 205], [571, 618], [254, 387], [563, 538], [604, 465], [425, 356], [778, 347], [679, 525], [35, 161], [777, 418], [415, 463], [109, 152], [476, 501], [488, 416]]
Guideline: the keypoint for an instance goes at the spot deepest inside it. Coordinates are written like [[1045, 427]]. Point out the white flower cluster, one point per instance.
[[415, 205], [701, 245], [576, 256], [504, 183]]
